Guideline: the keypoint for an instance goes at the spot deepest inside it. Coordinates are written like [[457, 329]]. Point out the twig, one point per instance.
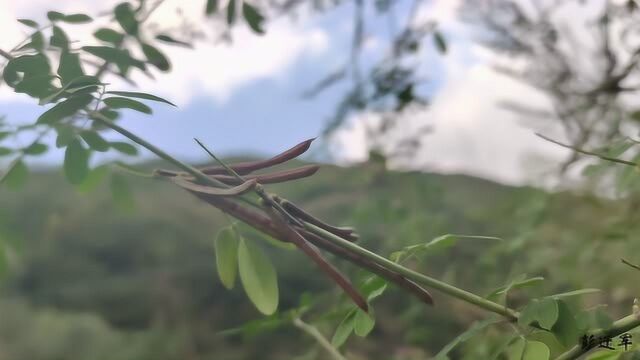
[[203, 178], [314, 333], [416, 276], [630, 264], [619, 327], [590, 153]]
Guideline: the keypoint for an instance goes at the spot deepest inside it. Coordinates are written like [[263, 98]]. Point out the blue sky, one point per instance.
[[246, 98]]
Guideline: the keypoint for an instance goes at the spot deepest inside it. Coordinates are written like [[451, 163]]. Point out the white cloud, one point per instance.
[[473, 134], [210, 70]]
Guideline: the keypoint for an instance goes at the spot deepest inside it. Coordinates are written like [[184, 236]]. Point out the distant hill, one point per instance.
[[141, 284]]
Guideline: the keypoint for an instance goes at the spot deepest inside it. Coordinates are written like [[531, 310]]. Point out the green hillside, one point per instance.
[[88, 280]]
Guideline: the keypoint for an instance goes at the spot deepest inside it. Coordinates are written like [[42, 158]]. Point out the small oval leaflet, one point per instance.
[[226, 252], [258, 277], [117, 102]]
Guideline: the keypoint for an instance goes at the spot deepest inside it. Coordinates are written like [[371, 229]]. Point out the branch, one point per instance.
[[419, 278], [314, 333], [619, 327], [630, 264], [590, 153]]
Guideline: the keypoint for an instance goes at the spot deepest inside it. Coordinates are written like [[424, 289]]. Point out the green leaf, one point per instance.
[[515, 351], [36, 149], [76, 162], [126, 103], [212, 7], [344, 329], [253, 17], [65, 135], [536, 350], [574, 293], [156, 58], [28, 22], [477, 327], [36, 86], [69, 68], [126, 17], [94, 140], [77, 19], [37, 41], [226, 248], [231, 12], [109, 35], [168, 39], [55, 16], [59, 38], [374, 287], [30, 65], [566, 328], [124, 147], [363, 323], [16, 175], [65, 109], [106, 53], [140, 95], [4, 151], [4, 134], [544, 312], [258, 277], [601, 319], [121, 193], [440, 43]]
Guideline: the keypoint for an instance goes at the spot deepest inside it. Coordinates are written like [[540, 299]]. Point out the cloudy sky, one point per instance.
[[246, 98]]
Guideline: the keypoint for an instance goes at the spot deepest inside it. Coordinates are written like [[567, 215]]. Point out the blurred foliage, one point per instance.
[[87, 280]]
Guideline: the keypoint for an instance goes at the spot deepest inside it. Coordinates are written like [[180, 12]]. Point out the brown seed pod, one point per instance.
[[250, 166], [273, 178], [237, 190], [294, 237]]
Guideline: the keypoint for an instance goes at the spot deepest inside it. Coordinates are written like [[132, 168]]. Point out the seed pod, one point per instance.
[[240, 189], [273, 178], [250, 166]]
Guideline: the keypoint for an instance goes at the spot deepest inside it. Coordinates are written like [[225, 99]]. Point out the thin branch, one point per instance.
[[630, 264], [314, 333], [200, 177], [590, 153], [416, 276], [619, 327]]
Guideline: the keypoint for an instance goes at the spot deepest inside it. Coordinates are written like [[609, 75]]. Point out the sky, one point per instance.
[[246, 98]]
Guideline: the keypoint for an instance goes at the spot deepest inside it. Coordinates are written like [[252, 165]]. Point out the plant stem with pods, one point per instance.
[[402, 276], [328, 236]]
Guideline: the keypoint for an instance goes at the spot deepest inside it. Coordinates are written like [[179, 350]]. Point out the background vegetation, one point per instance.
[[124, 269]]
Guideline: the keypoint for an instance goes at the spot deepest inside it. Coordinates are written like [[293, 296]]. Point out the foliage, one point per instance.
[[81, 107]]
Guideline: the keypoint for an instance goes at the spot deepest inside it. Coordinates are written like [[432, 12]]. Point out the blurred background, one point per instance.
[[426, 114]]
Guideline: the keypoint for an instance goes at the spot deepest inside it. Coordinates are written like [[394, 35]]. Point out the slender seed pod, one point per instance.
[[294, 237], [345, 233], [273, 178], [250, 166]]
